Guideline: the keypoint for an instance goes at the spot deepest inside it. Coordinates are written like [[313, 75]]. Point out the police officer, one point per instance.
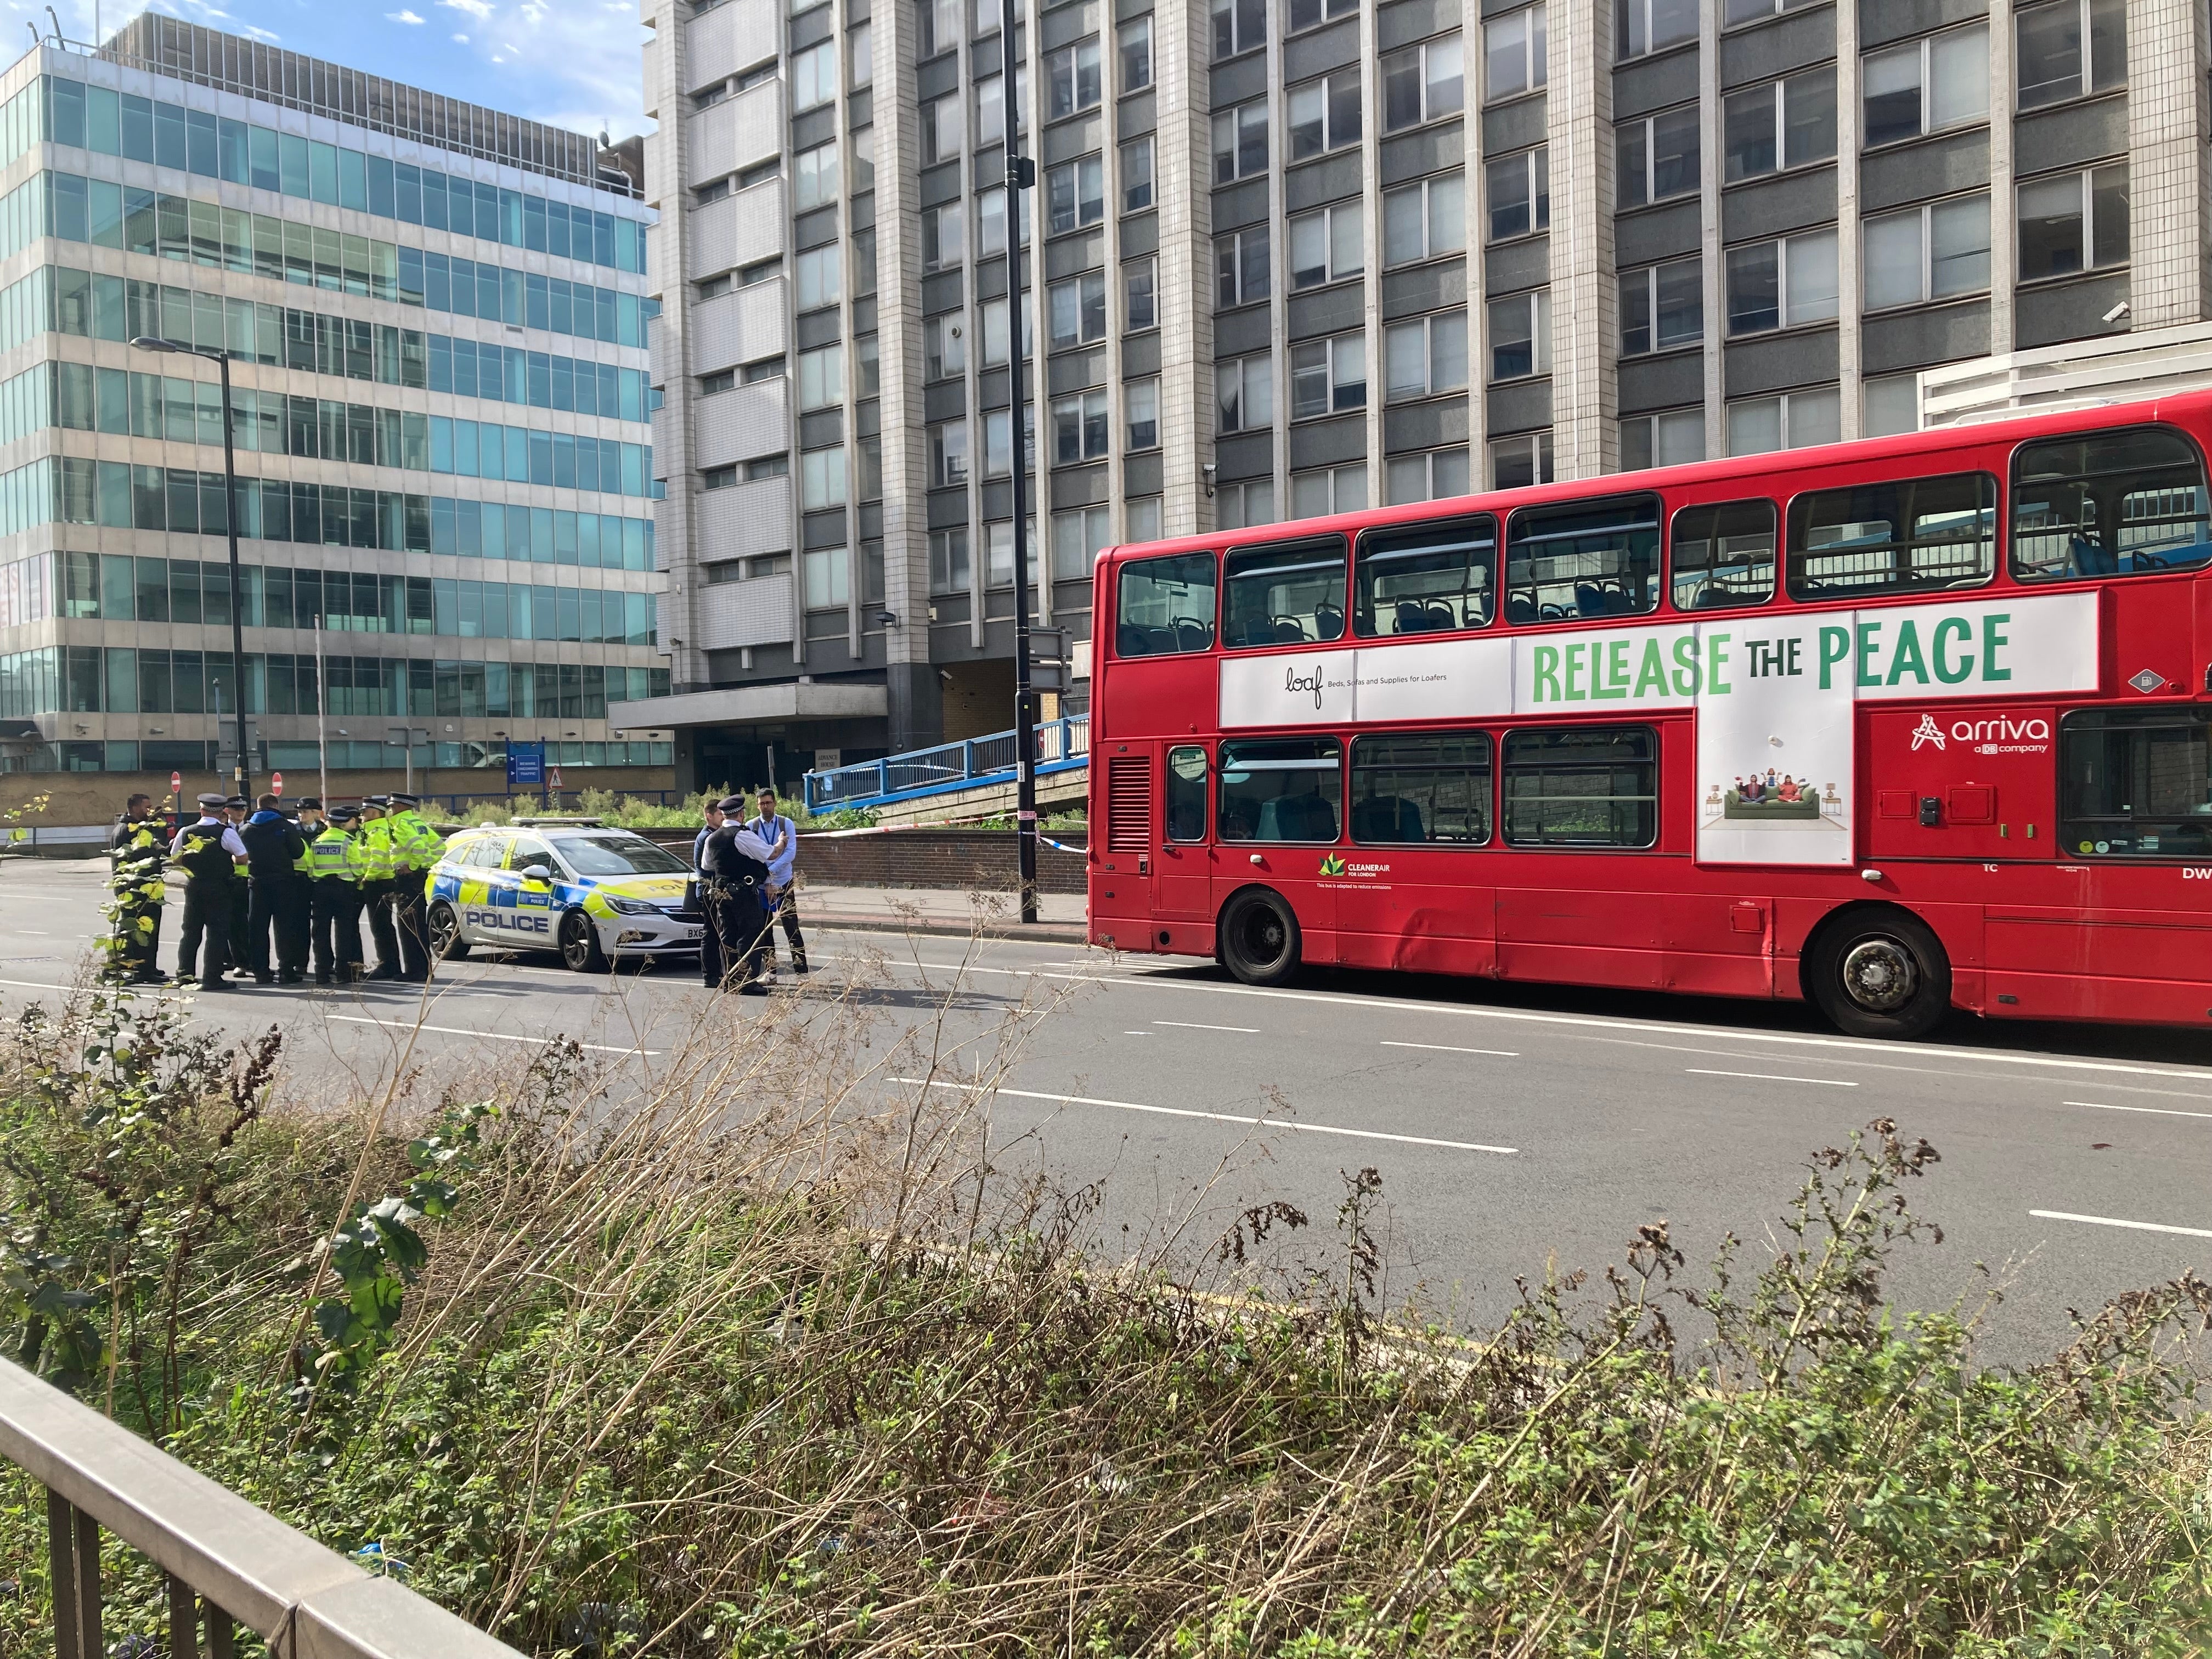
[[778, 899], [340, 864], [235, 809], [416, 849], [377, 883], [273, 847], [209, 852], [295, 911], [733, 862], [136, 854]]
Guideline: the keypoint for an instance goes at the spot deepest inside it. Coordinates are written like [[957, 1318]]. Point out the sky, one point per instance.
[[572, 63]]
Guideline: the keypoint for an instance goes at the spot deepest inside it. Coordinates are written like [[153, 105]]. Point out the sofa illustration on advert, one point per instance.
[[1774, 797]]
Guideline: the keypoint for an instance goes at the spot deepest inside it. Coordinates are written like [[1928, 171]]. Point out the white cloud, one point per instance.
[[461, 40], [479, 9], [401, 17]]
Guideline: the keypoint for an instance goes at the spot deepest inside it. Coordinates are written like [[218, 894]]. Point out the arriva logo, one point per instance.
[[2004, 729], [1331, 864], [1927, 733], [1294, 681]]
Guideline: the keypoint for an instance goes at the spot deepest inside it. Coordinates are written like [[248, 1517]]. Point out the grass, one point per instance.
[[771, 1356]]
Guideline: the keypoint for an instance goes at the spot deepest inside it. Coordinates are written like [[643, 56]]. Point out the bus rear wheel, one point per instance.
[[1881, 973], [1259, 939]]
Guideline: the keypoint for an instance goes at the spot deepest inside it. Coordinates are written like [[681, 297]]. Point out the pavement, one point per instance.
[[935, 911], [1515, 1129]]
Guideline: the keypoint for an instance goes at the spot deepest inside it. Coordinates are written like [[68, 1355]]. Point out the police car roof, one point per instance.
[[561, 824]]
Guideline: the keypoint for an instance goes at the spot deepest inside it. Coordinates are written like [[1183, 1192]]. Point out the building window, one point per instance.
[[1781, 284], [1657, 157], [1077, 536], [1784, 124], [999, 442], [1071, 80], [1663, 307], [1792, 421], [1647, 26], [719, 477], [999, 551], [822, 478], [708, 97], [1075, 194], [938, 27], [759, 173], [1513, 54], [1891, 406], [2071, 47], [820, 277], [1750, 11], [822, 378], [948, 454], [828, 577], [988, 20], [948, 561], [1140, 412], [991, 105], [1926, 85], [1140, 292], [1328, 377], [1426, 356], [753, 275], [1423, 220], [762, 368], [1429, 81], [1325, 246], [1142, 518], [1238, 25], [1519, 192], [942, 136], [1518, 463], [1326, 489], [994, 332], [1928, 253], [860, 57], [768, 466], [944, 347], [1240, 141], [814, 178], [1323, 115], [943, 236], [722, 381], [1435, 476], [1242, 505], [1240, 266], [1668, 440], [1133, 40], [991, 222], [1521, 336], [1245, 387], [1078, 429], [1137, 175], [2076, 221], [813, 76], [1078, 308], [710, 192]]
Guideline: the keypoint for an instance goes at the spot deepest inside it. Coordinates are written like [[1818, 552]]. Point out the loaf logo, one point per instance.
[[1331, 864], [1294, 681], [1927, 733]]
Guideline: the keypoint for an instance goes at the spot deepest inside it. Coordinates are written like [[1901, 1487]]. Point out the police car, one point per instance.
[[590, 892]]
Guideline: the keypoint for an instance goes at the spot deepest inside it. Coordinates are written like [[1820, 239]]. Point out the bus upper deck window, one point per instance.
[[1583, 559], [1288, 594], [1425, 578], [2109, 504], [1906, 537], [1166, 606], [1722, 556]]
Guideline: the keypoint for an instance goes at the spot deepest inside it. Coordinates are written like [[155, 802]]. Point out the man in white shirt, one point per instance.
[[209, 852], [782, 836]]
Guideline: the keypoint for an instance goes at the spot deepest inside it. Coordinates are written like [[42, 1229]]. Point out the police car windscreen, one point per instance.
[[619, 855]]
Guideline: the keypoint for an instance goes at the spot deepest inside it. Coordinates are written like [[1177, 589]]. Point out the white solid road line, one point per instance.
[[1192, 1026], [1447, 1049], [1769, 1077], [1217, 1118], [2114, 1221], [495, 1037], [2154, 1111]]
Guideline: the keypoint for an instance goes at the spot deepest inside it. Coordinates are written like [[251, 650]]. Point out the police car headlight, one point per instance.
[[630, 907]]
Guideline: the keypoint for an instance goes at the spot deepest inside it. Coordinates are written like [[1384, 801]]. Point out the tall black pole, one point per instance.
[[242, 772], [1021, 175]]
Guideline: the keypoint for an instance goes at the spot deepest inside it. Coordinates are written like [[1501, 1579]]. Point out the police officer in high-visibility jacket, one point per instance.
[[209, 852], [140, 844], [416, 849], [295, 914], [340, 863], [377, 883]]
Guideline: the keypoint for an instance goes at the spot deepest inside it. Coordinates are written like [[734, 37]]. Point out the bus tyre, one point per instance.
[[1259, 938], [1881, 973], [580, 944], [447, 944]]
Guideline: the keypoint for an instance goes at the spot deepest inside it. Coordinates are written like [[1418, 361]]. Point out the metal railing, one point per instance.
[[1060, 744], [227, 1562]]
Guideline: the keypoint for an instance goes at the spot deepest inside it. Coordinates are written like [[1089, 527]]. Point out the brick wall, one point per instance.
[[965, 861]]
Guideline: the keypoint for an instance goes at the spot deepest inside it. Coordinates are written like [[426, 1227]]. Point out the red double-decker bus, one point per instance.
[[1896, 725]]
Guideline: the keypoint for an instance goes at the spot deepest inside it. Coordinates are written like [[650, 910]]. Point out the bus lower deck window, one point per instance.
[[1592, 786], [1281, 789], [1434, 788], [2134, 782]]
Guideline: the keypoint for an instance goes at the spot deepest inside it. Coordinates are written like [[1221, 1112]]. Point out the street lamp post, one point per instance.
[[1021, 175], [241, 775]]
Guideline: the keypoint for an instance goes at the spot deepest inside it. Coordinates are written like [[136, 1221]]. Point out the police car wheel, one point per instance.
[[580, 944], [446, 941]]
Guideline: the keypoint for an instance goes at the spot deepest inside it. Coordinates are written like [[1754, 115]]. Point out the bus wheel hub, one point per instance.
[[1879, 975]]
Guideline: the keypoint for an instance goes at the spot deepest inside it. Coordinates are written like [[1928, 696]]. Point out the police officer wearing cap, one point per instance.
[[234, 811], [379, 883], [273, 847], [733, 868], [416, 849], [209, 852], [340, 864], [136, 854], [295, 913]]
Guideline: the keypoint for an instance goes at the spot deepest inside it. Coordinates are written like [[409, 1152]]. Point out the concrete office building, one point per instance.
[[435, 316], [1297, 255]]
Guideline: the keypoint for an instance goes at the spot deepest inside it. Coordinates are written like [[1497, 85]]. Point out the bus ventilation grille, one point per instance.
[[1128, 803]]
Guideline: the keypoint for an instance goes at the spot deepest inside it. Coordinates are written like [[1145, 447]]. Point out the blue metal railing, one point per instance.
[[1061, 744]]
